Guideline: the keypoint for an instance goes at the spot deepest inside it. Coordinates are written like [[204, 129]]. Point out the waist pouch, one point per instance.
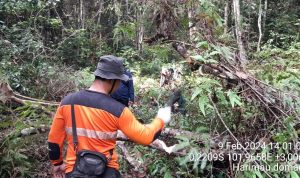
[[89, 164]]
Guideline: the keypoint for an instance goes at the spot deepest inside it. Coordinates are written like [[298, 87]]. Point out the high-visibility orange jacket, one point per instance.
[[98, 117]]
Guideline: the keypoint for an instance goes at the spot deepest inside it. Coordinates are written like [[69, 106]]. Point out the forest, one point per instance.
[[236, 65]]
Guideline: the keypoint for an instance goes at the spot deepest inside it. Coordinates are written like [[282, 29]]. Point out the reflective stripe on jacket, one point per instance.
[[98, 117]]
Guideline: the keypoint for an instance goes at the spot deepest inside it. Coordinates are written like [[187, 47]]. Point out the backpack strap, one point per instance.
[[74, 130]]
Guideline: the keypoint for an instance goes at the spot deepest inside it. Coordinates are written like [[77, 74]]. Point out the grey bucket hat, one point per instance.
[[111, 67]]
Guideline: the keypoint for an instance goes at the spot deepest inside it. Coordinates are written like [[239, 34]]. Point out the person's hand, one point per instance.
[[59, 171], [164, 114], [130, 103]]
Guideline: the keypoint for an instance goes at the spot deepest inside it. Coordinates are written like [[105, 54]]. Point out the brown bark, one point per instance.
[[81, 14], [191, 17], [140, 36], [239, 33], [7, 94], [126, 155], [264, 16], [226, 12], [140, 29], [259, 25]]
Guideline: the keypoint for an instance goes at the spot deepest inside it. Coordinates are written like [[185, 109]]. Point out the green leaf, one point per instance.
[[196, 93], [202, 44], [198, 58], [234, 98], [182, 138], [259, 175], [203, 164], [294, 174], [211, 61], [180, 146], [168, 174], [183, 161], [202, 129], [214, 53], [203, 102]]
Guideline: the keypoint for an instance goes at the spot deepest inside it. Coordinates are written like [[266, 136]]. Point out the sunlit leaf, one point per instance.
[[181, 146], [168, 174], [198, 58], [196, 93], [234, 98], [214, 53], [294, 174], [203, 102], [203, 164], [259, 175]]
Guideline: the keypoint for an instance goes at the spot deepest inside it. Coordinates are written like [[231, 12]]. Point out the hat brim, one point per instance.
[[108, 75]]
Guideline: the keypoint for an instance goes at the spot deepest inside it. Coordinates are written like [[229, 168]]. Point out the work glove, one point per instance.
[[164, 114], [59, 171]]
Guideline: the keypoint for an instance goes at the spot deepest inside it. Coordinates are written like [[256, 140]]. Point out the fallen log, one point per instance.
[[8, 95], [156, 144], [133, 162], [269, 99]]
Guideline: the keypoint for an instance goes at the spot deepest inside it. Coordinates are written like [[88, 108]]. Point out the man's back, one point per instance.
[[98, 117], [96, 120]]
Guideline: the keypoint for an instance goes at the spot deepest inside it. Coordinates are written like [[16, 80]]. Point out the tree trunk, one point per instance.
[[239, 33], [99, 12], [191, 16], [264, 16], [259, 25], [81, 14], [140, 37], [127, 8], [140, 26], [226, 9], [98, 15]]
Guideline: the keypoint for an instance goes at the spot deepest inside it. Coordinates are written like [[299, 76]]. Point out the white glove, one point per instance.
[[59, 171], [164, 114]]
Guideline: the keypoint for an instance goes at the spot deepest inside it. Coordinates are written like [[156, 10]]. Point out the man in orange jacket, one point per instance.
[[98, 117]]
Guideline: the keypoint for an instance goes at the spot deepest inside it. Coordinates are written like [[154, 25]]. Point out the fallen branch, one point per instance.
[[156, 144], [269, 98], [133, 162], [7, 94]]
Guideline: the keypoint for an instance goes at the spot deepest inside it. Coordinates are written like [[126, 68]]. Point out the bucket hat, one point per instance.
[[111, 67]]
